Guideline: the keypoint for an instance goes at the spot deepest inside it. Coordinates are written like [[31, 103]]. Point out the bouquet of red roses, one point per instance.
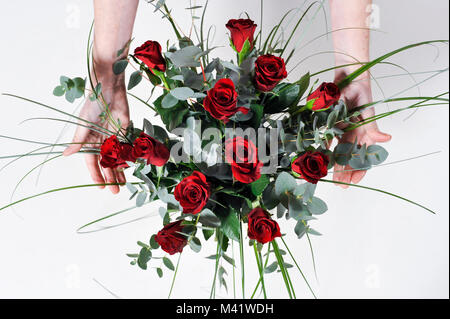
[[241, 147]]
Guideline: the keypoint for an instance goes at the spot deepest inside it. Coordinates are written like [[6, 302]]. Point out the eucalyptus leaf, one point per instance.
[[168, 263], [120, 66], [135, 79]]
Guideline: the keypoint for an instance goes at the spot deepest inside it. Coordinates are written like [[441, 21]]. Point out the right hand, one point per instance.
[[114, 93]]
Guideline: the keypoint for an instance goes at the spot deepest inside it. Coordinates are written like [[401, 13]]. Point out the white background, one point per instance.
[[373, 246]]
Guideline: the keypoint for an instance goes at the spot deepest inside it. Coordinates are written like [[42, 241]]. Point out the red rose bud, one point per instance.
[[243, 157], [155, 152], [193, 193], [269, 71], [241, 30], [261, 227], [311, 166], [115, 154], [150, 54], [221, 101], [324, 97], [170, 239]]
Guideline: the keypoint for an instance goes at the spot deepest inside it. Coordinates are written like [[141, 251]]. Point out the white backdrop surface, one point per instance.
[[373, 246]]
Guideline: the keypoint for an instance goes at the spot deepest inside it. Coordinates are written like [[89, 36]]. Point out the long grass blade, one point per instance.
[[60, 190], [369, 65], [380, 191]]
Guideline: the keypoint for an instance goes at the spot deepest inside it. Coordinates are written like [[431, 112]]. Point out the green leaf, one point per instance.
[[59, 91], [332, 118], [271, 268], [185, 57], [231, 226], [207, 233], [260, 185], [156, 80], [300, 229], [285, 96], [317, 206], [343, 153], [209, 219], [229, 260], [195, 244], [140, 199], [376, 154], [297, 209], [119, 66], [269, 198], [169, 101], [258, 113], [182, 93], [159, 271], [135, 79], [144, 257], [285, 183], [153, 243], [313, 232], [168, 263], [246, 48]]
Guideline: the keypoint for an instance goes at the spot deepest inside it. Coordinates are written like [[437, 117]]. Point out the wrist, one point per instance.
[[102, 72]]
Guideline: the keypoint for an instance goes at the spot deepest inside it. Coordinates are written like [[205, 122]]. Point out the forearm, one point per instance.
[[113, 28], [353, 43]]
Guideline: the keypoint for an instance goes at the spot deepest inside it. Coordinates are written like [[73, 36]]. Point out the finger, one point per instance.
[[94, 169], [346, 177], [80, 136], [339, 175], [121, 177], [380, 137], [111, 179], [357, 176]]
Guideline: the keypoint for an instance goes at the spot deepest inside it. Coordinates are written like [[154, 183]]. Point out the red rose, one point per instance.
[[325, 96], [115, 154], [170, 239], [150, 54], [269, 71], [243, 157], [311, 166], [155, 152], [261, 227], [193, 193], [241, 31], [221, 101]]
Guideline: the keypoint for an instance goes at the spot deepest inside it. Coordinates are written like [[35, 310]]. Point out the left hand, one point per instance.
[[356, 94]]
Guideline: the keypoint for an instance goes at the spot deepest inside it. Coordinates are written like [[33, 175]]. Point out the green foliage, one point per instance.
[[284, 96], [171, 117], [144, 257], [135, 79], [71, 88], [209, 219], [120, 66], [260, 185], [168, 263], [231, 225]]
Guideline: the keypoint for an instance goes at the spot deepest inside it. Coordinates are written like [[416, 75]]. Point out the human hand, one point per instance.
[[356, 94], [114, 94]]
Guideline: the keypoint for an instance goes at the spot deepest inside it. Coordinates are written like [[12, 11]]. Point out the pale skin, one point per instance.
[[114, 20], [354, 43]]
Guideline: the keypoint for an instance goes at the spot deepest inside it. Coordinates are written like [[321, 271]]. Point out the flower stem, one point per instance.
[[298, 267], [241, 249], [174, 276], [282, 268], [260, 268]]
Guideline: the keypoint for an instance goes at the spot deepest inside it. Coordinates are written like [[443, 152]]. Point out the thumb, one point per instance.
[[80, 136], [380, 137]]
